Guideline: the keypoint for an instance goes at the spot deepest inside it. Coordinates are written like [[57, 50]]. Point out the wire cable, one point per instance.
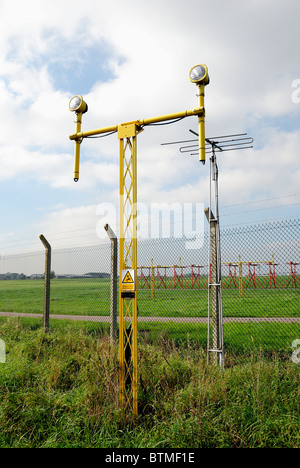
[[102, 136], [164, 123]]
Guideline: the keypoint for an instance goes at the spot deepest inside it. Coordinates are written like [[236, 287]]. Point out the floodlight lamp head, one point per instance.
[[199, 75], [78, 105]]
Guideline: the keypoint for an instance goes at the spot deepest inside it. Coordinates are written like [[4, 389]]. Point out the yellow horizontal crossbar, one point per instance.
[[139, 123]]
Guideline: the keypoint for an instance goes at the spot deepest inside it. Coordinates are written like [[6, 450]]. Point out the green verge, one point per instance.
[[61, 390]]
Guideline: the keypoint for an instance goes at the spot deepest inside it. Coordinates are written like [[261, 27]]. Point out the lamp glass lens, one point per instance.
[[75, 102], [197, 73]]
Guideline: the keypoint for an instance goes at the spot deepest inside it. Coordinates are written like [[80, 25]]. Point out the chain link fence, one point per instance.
[[80, 278], [260, 286]]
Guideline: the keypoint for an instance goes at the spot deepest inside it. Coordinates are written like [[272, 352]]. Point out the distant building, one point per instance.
[[37, 276], [12, 276]]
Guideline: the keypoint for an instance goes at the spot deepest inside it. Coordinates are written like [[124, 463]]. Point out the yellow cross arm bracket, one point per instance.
[[200, 111], [130, 129], [99, 131], [198, 75]]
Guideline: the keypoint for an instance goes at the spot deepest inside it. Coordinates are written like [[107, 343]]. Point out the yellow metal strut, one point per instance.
[[127, 135]]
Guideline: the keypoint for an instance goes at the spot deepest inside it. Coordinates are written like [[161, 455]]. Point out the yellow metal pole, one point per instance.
[[201, 119], [134, 267], [121, 262], [77, 146]]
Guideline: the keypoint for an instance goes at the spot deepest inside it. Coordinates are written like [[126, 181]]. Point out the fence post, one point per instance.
[[47, 283], [215, 290], [113, 282]]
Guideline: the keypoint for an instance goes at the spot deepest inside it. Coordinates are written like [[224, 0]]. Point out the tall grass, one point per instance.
[[61, 390]]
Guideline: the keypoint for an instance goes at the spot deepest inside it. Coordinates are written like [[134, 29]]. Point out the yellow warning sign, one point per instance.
[[128, 278], [128, 283]]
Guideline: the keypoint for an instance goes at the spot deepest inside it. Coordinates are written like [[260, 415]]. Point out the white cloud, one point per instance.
[[16, 161], [251, 51], [273, 169], [81, 225]]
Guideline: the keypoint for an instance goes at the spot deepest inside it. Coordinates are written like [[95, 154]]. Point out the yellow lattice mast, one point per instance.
[[127, 134]]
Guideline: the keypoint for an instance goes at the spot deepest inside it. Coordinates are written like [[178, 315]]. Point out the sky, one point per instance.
[[131, 60]]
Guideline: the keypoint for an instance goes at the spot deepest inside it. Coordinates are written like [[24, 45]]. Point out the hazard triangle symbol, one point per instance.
[[128, 278]]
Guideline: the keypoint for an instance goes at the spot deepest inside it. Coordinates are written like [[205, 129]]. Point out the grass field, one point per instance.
[[67, 296], [91, 297], [61, 390]]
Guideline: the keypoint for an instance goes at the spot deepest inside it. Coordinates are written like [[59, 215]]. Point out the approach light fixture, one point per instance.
[[199, 75], [78, 105]]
